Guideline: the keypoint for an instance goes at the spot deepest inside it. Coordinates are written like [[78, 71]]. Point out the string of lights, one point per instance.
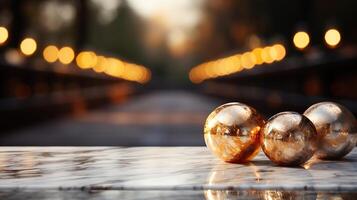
[[110, 66], [258, 56], [236, 63]]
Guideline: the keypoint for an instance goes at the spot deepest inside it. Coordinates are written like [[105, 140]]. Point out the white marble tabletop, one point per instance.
[[163, 168]]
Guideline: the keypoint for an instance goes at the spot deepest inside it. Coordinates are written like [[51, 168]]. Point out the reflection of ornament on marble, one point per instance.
[[336, 129], [289, 139], [336, 195], [259, 194], [228, 174], [281, 195], [232, 132], [233, 194]]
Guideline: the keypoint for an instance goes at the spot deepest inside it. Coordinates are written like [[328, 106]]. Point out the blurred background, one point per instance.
[[134, 72]]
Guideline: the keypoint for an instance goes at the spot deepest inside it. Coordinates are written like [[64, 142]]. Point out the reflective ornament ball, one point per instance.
[[336, 128], [289, 138], [232, 132]]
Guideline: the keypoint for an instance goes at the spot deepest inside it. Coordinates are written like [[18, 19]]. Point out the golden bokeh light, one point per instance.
[[133, 72], [147, 76], [232, 64], [214, 69], [218, 68], [332, 37], [248, 60], [127, 71], [101, 64], [236, 63], [277, 52], [66, 55], [86, 59], [50, 53], [115, 67], [258, 55], [301, 39], [4, 35], [194, 78], [144, 75], [266, 55], [28, 46]]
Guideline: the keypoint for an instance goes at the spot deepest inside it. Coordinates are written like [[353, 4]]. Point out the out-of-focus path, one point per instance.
[[159, 118]]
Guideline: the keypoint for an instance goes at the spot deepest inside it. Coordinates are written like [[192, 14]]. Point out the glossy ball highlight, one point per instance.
[[233, 132], [336, 127], [289, 138]]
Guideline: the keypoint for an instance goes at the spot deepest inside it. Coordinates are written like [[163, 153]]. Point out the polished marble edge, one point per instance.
[[337, 188], [173, 194], [295, 185]]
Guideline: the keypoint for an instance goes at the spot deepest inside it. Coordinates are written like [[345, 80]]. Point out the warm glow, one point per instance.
[[301, 39], [215, 68], [248, 60], [4, 35], [194, 77], [332, 37], [236, 63], [211, 69], [86, 59], [28, 46], [50, 54], [115, 67], [66, 55], [170, 17], [127, 71], [266, 55], [101, 64], [220, 67], [147, 76], [14, 57], [258, 55], [132, 72], [231, 64], [277, 52]]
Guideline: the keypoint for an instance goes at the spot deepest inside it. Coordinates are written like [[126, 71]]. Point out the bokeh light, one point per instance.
[[115, 67], [86, 59], [50, 53], [4, 35], [28, 46], [266, 55], [236, 63], [258, 55], [100, 65], [248, 60], [301, 39], [14, 57], [332, 37], [277, 52], [66, 55]]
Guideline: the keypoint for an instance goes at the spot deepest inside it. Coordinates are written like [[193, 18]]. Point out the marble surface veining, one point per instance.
[[163, 168]]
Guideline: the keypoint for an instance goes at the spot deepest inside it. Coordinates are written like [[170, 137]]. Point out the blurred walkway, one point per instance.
[[159, 118]]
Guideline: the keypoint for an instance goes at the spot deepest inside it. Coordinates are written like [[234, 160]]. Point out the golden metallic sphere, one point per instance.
[[232, 132], [336, 128], [289, 138]]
